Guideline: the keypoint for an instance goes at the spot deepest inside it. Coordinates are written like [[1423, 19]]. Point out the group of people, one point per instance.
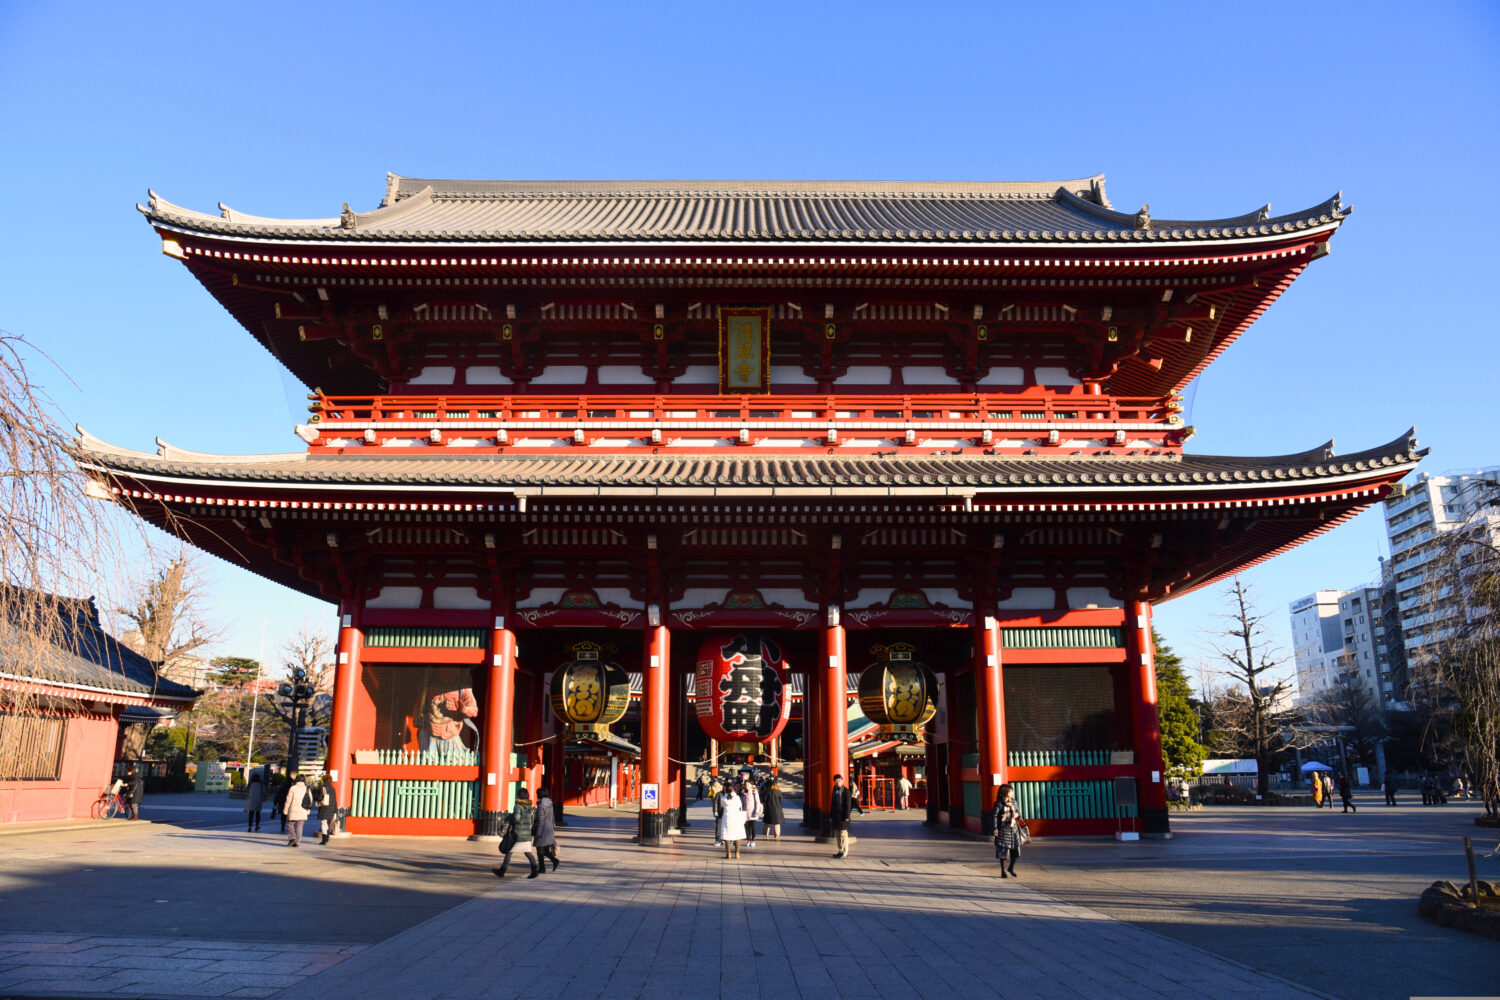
[[740, 804], [532, 830], [294, 801], [1322, 790]]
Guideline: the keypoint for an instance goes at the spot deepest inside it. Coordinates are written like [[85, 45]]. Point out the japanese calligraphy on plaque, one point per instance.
[[744, 350]]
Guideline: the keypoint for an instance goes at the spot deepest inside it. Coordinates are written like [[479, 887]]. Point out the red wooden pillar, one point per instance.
[[812, 749], [532, 722], [499, 734], [341, 723], [655, 722], [989, 695], [1151, 788], [833, 713], [557, 773], [676, 752], [958, 734]]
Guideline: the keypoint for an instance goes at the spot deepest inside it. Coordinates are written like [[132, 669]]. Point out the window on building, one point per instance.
[[34, 747]]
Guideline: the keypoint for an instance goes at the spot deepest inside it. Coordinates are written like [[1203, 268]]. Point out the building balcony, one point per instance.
[[1041, 423]]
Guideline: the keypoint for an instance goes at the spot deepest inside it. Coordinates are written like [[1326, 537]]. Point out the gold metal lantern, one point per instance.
[[589, 693], [898, 693]]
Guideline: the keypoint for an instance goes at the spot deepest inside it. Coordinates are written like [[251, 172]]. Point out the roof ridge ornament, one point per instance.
[[1143, 217], [346, 217]]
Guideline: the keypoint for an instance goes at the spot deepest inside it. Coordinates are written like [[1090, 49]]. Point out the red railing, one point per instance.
[[1003, 422]]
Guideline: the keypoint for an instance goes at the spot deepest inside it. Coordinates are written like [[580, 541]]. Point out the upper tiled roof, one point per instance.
[[90, 658], [660, 473], [774, 212]]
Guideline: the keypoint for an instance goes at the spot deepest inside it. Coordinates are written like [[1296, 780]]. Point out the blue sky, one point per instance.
[[1202, 110]]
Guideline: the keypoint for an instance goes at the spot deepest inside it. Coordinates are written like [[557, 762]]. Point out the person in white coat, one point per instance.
[[296, 807], [731, 823]]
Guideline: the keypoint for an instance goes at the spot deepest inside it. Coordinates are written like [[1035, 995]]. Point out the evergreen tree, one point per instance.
[[1178, 722]]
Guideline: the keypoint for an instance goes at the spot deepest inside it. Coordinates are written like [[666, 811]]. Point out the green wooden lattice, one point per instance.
[[1063, 637], [404, 637]]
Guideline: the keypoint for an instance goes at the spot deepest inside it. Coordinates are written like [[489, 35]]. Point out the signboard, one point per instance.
[[650, 798], [744, 351]]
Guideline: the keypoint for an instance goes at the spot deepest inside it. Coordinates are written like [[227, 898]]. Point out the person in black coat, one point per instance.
[[774, 810], [840, 806], [135, 791], [1346, 792], [328, 810]]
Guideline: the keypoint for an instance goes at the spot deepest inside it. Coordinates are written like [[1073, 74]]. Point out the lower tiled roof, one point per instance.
[[834, 472]]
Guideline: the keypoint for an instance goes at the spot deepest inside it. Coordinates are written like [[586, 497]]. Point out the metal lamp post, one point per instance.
[[297, 693]]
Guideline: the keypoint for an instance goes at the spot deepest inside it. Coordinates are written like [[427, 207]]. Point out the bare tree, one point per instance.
[[1456, 672], [50, 535], [1349, 708], [168, 618], [311, 651], [1249, 716]]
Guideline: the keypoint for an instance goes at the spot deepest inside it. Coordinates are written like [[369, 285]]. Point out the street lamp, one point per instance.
[[296, 694]]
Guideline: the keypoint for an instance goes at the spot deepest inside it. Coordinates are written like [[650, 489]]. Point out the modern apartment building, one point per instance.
[[1317, 642], [1418, 525]]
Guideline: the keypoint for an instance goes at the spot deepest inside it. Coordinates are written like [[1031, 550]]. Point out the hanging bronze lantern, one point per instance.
[[590, 693], [898, 693], [740, 689]]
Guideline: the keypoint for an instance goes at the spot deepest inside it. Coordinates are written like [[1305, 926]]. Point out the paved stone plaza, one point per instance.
[[1242, 903]]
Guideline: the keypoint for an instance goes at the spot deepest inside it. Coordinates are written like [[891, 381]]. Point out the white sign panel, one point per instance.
[[650, 798]]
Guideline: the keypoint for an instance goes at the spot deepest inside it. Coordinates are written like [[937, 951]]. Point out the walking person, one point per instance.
[[296, 806], [750, 800], [1010, 831], [328, 810], [903, 788], [1390, 788], [1346, 792], [701, 786], [255, 800], [775, 811], [1317, 790], [135, 791], [840, 807], [278, 788], [731, 825], [544, 834], [517, 836]]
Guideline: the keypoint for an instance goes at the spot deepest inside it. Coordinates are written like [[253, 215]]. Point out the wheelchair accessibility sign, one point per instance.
[[650, 798]]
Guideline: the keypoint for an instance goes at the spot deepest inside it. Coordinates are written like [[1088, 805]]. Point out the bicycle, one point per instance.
[[109, 804]]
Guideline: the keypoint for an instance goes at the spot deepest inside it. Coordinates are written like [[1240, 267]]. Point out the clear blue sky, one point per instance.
[[1202, 110]]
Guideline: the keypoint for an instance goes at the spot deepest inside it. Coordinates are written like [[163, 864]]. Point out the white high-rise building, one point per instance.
[[1317, 642], [1417, 525]]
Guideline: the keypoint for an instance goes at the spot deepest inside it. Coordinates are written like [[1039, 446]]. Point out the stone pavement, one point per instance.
[[212, 911]]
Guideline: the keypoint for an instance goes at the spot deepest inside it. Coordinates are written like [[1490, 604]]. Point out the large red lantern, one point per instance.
[[741, 689]]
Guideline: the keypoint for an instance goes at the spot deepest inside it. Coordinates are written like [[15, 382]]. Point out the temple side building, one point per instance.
[[870, 423]]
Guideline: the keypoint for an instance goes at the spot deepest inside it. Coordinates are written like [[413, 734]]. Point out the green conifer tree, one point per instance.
[[1179, 723]]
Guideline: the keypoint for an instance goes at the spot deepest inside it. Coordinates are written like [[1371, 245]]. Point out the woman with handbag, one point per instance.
[[1010, 831], [518, 824]]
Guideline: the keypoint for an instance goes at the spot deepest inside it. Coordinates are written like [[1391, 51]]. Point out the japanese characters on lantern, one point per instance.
[[741, 688]]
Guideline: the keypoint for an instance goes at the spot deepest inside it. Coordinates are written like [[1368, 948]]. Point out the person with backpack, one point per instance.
[[296, 806]]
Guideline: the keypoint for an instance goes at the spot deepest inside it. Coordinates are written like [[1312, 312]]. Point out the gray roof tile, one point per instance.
[[1062, 212], [491, 471]]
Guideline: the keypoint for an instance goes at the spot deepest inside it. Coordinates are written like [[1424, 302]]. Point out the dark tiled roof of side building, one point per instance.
[[748, 212], [492, 471], [83, 655]]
